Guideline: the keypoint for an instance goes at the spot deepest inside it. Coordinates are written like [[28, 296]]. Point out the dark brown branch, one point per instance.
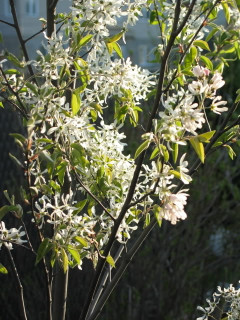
[[35, 34], [54, 4], [20, 38], [8, 23], [51, 10]]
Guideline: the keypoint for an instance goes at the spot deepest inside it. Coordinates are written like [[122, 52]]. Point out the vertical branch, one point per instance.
[[19, 286], [59, 292], [22, 43], [51, 11]]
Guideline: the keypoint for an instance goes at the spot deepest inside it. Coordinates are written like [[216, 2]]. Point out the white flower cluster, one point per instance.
[[8, 237], [182, 113], [231, 297], [116, 76]]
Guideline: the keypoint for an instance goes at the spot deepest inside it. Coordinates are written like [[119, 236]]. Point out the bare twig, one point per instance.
[[23, 314], [19, 34], [8, 23]]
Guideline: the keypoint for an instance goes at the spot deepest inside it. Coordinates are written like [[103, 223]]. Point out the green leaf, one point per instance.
[[176, 174], [1, 37], [175, 152], [5, 209], [115, 38], [207, 62], [238, 98], [74, 253], [1, 104], [198, 147], [16, 160], [81, 241], [111, 261], [12, 71], [201, 44], [141, 148], [205, 137], [80, 205], [157, 213], [212, 33], [3, 269], [11, 57], [190, 57], [109, 47], [75, 103], [32, 87], [116, 47], [147, 220], [64, 260], [226, 11], [42, 250], [154, 153], [231, 153], [85, 40]]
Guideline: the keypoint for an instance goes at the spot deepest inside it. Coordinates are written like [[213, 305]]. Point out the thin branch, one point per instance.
[[8, 23], [35, 34], [93, 196], [23, 314], [20, 38]]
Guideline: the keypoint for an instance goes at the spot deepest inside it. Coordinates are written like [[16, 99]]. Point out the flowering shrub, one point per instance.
[[82, 189]]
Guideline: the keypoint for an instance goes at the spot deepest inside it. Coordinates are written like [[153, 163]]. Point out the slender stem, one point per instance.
[[8, 23], [35, 34], [102, 284], [19, 34], [121, 269], [23, 314]]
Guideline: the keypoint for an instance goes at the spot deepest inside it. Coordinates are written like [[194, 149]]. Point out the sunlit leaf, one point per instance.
[[42, 250], [3, 270], [111, 261], [141, 148], [201, 44], [198, 147]]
